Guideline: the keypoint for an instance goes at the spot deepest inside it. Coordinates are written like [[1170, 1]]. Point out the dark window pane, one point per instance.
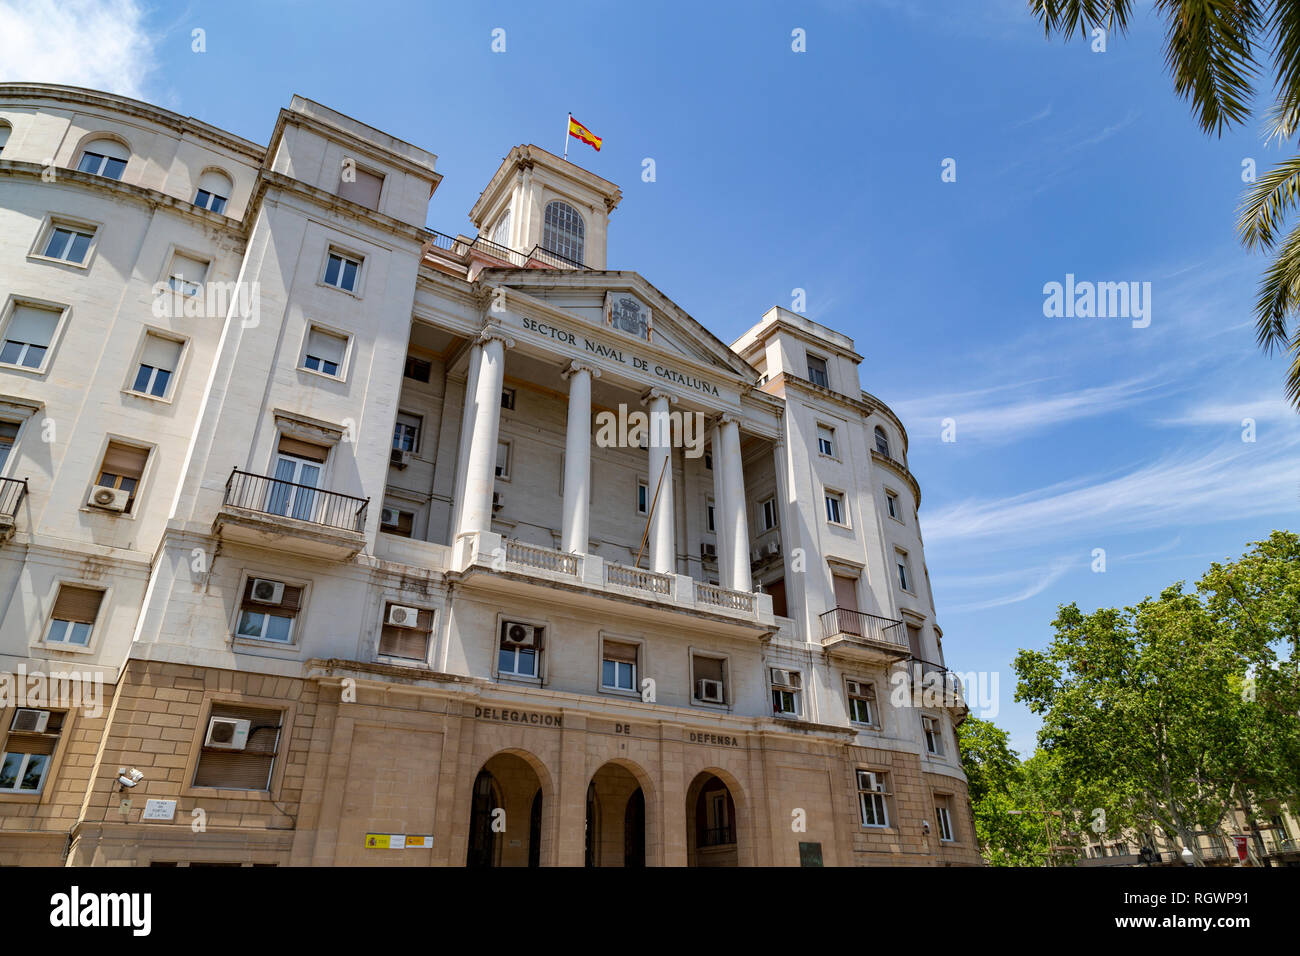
[[349, 276], [160, 383], [332, 270], [218, 204], [80, 243], [35, 356], [142, 378]]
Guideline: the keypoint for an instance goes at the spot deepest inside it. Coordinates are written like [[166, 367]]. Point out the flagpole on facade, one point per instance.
[[566, 136]]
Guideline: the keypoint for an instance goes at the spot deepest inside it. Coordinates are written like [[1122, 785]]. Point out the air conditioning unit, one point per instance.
[[267, 592], [772, 548], [389, 517], [710, 690], [870, 781], [30, 721], [784, 678], [709, 552], [227, 733], [519, 635], [859, 689], [498, 500], [402, 616], [400, 458], [109, 499], [756, 556]]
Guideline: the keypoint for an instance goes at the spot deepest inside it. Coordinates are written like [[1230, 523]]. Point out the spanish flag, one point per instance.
[[584, 134]]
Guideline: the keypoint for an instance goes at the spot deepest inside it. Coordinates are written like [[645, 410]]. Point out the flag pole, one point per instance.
[[566, 136]]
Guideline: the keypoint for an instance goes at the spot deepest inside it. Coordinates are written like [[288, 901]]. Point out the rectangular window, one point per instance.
[[205, 199], [361, 186], [873, 798], [943, 810], [324, 352], [68, 244], [508, 399], [786, 686], [25, 763], [418, 369], [817, 371], [520, 649], [341, 272], [503, 460], [642, 497], [100, 165], [268, 611], [891, 502], [405, 636], [187, 274], [122, 469], [8, 438], [28, 335], [769, 513], [158, 361], [709, 516], [862, 701], [933, 735], [826, 440], [73, 617], [406, 433], [904, 576], [709, 679], [242, 756], [834, 507], [618, 666], [396, 522]]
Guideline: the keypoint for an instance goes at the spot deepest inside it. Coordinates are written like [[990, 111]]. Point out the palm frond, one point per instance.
[[1283, 32], [1267, 203], [1064, 17], [1210, 54], [1278, 300]]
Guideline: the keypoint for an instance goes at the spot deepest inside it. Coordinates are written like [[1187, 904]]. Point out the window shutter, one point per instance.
[[159, 352], [708, 668], [188, 268], [32, 325], [326, 346], [410, 643], [364, 190], [617, 651], [124, 460], [79, 605], [247, 769], [303, 449]]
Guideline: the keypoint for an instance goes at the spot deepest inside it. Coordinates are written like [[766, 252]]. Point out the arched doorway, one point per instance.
[[615, 818], [710, 822], [505, 825]]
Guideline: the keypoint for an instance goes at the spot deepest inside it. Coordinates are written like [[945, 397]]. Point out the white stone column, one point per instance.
[[577, 458], [720, 507], [462, 446], [480, 465], [663, 548], [733, 531]]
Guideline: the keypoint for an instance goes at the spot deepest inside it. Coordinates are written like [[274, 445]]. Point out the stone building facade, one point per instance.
[[333, 539]]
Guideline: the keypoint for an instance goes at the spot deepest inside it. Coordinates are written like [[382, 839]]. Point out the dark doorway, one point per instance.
[[634, 830], [482, 841], [535, 831]]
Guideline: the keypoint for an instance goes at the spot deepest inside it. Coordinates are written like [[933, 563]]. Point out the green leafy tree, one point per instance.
[[1011, 822], [1217, 52]]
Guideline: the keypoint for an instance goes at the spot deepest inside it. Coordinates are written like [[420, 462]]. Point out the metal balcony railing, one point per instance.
[[12, 491], [859, 624], [272, 496], [519, 260], [717, 836]]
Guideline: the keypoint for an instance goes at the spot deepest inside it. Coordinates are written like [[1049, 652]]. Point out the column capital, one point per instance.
[[650, 394], [491, 333], [727, 418], [575, 366]]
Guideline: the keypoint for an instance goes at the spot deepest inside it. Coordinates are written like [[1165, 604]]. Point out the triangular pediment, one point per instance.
[[626, 305]]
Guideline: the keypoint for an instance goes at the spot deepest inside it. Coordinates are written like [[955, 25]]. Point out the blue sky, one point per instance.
[[820, 170]]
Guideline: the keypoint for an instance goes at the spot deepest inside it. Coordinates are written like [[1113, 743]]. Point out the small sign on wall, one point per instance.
[[158, 810], [398, 841]]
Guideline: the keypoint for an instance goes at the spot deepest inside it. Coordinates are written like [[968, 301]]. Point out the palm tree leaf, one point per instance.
[[1210, 54], [1267, 203], [1283, 31], [1278, 299], [1064, 17]]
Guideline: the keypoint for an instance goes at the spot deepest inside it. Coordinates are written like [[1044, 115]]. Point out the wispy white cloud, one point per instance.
[[1034, 581], [1268, 407], [979, 420], [1230, 481], [101, 44]]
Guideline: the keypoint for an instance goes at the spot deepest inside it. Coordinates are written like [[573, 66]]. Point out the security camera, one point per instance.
[[925, 827], [129, 779]]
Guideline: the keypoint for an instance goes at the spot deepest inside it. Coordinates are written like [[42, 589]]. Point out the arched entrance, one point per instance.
[[615, 832], [505, 823], [710, 822]]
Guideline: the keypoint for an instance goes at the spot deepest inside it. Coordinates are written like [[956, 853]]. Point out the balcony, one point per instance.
[[12, 492], [272, 513], [940, 687], [485, 559], [537, 258], [863, 638]]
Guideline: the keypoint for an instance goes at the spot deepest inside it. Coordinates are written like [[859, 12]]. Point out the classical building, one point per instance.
[[331, 539]]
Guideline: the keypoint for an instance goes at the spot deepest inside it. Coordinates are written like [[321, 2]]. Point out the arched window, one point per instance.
[[104, 157], [501, 234], [562, 231], [214, 191], [882, 441], [5, 130]]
